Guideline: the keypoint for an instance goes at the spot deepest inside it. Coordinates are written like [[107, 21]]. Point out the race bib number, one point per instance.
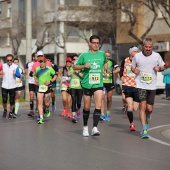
[[146, 77], [94, 78], [65, 79], [64, 87], [75, 83], [43, 88]]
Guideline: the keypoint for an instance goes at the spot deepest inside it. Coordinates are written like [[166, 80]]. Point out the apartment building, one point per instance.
[[59, 28], [144, 16]]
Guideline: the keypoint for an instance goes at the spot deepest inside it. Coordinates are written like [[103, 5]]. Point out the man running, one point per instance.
[[10, 72], [31, 83], [92, 63], [145, 65], [45, 75]]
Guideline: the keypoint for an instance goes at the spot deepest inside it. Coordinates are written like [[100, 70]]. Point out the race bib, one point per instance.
[[18, 82], [65, 79], [94, 78], [43, 88], [75, 83], [64, 87], [146, 77]]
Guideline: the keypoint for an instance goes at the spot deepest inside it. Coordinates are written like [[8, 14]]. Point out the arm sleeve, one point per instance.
[[17, 73]]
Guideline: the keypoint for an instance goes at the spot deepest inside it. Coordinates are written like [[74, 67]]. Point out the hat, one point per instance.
[[68, 59], [42, 59], [39, 53]]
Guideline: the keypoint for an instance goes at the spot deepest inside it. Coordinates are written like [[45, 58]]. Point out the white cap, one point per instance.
[[39, 53]]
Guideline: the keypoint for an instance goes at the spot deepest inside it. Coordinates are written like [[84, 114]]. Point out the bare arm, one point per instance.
[[80, 67], [117, 70]]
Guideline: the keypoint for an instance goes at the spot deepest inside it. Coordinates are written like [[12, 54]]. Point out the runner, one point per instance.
[[19, 87], [92, 63], [9, 73], [75, 91], [31, 83], [64, 76], [45, 75], [145, 65], [129, 86], [113, 68], [54, 66]]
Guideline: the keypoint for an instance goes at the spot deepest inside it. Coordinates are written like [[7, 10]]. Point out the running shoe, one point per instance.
[[74, 119], [78, 114], [47, 113], [30, 114], [107, 117], [85, 131], [41, 121], [10, 116], [102, 117], [64, 112], [68, 114], [95, 132], [5, 114], [38, 118], [14, 116], [144, 134], [53, 108], [132, 126]]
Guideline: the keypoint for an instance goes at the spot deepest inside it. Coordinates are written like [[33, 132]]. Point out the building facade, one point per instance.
[[60, 28], [139, 24]]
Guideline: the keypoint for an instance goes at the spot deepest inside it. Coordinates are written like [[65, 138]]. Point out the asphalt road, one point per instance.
[[58, 144]]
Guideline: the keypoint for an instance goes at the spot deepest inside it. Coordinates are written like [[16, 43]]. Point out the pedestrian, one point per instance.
[[108, 80], [44, 75], [166, 80], [9, 73], [145, 65], [19, 88], [75, 91], [31, 84], [129, 86], [64, 77], [92, 64]]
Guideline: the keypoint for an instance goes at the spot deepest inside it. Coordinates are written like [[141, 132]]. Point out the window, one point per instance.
[[72, 2], [162, 11], [72, 31], [9, 10], [126, 9]]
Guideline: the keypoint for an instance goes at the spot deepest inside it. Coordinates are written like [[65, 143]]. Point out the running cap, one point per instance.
[[68, 59], [42, 59], [131, 49], [39, 53]]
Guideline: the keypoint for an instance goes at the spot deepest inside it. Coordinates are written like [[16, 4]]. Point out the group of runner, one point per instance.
[[89, 75]]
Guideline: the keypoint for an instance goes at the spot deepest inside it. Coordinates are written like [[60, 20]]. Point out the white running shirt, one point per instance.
[[147, 77]]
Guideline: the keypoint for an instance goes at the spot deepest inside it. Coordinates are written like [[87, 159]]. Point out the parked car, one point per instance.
[[160, 85]]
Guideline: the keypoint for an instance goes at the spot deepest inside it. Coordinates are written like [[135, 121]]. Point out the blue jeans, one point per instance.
[[167, 90]]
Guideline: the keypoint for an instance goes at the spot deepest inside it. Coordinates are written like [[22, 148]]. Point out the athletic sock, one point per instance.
[[108, 112], [96, 117], [16, 107], [130, 116], [31, 104], [85, 116]]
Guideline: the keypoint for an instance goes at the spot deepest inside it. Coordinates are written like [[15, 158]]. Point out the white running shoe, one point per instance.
[[85, 131], [95, 132]]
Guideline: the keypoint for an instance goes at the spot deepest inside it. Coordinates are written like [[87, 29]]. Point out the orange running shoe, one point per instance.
[[132, 126], [68, 114], [64, 112]]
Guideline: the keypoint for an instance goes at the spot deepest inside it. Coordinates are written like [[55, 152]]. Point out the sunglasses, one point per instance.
[[9, 60], [42, 61], [40, 56]]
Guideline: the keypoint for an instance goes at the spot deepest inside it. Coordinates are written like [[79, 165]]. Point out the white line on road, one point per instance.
[[157, 140]]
